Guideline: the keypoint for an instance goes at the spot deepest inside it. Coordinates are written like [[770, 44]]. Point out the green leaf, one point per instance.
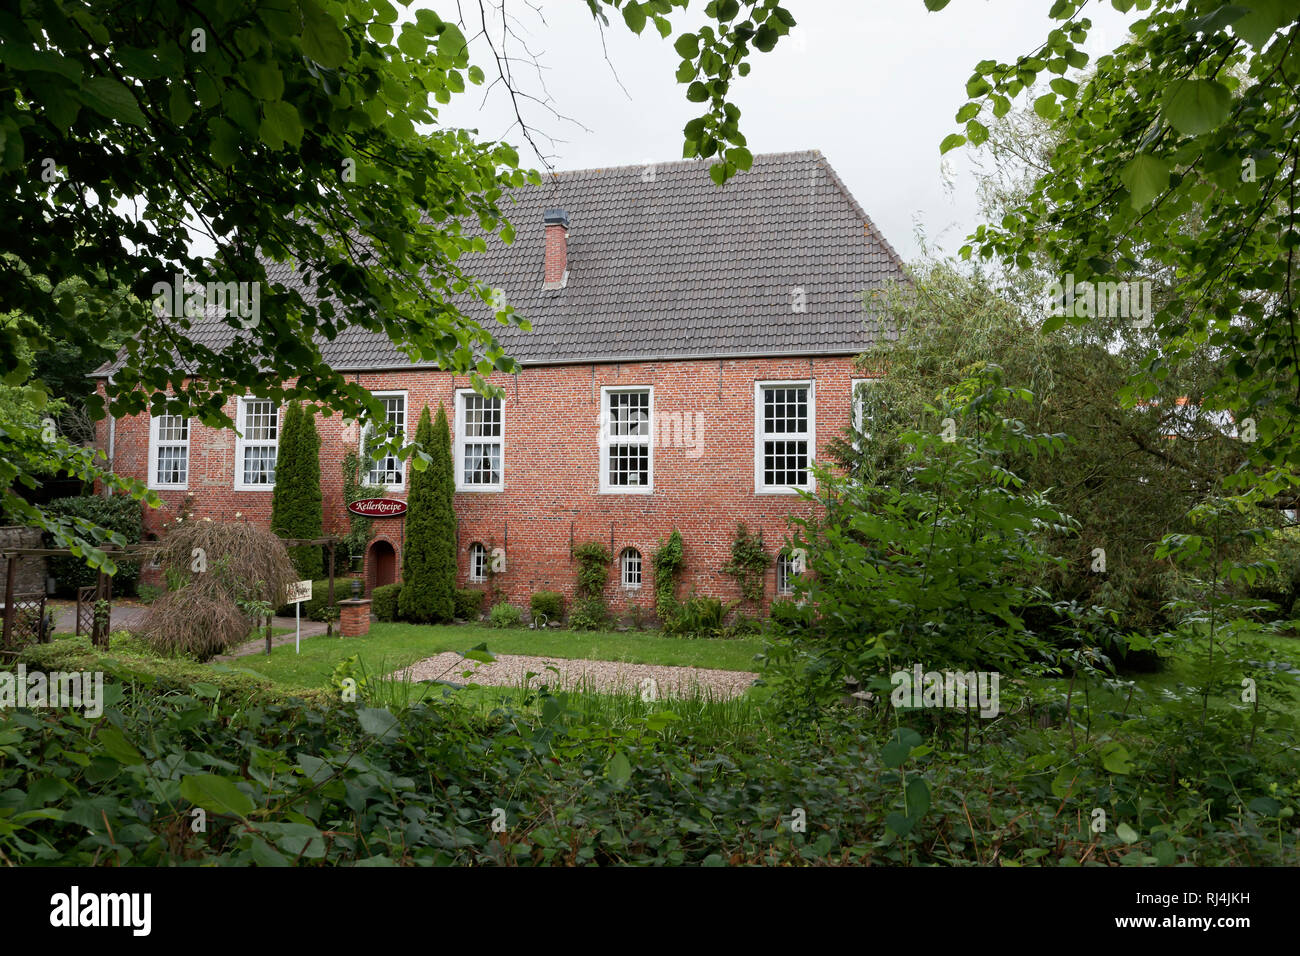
[[1262, 20], [225, 142], [1194, 107], [216, 794], [1146, 177], [280, 125], [117, 746], [179, 107], [322, 40], [934, 6], [1115, 758], [377, 721], [1265, 806], [740, 157], [107, 97], [1047, 107], [1126, 833], [951, 142], [900, 824], [917, 798], [687, 46], [634, 16], [618, 769]]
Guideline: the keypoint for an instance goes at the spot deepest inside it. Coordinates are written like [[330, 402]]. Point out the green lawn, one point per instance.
[[397, 645]]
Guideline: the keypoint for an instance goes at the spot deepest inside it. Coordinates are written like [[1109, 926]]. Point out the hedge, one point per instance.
[[383, 601], [550, 603], [117, 513], [469, 603]]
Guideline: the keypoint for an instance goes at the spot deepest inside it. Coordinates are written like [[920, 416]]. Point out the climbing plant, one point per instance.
[[748, 564], [589, 611], [668, 562]]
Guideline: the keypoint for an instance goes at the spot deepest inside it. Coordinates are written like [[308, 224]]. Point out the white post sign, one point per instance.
[[299, 591]]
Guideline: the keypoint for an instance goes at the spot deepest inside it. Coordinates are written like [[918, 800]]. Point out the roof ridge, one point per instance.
[[673, 163]]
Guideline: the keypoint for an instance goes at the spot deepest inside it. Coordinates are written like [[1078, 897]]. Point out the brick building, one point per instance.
[[691, 351]]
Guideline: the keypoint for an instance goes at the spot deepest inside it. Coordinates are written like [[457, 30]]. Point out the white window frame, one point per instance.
[[623, 568], [156, 444], [606, 440], [760, 487], [487, 562], [855, 409], [788, 589], [242, 443], [400, 485], [459, 444]]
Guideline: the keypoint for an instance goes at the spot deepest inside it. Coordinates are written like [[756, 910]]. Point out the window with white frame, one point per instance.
[[256, 443], [629, 563], [480, 442], [785, 573], [862, 408], [626, 440], [169, 451], [478, 562], [784, 427], [385, 469]]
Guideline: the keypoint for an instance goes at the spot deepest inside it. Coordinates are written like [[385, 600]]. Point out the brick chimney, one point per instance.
[[557, 249]]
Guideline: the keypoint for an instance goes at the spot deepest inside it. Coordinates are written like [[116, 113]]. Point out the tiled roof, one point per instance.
[[670, 265]]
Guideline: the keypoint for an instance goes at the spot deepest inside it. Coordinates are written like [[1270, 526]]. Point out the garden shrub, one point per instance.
[[232, 574], [469, 603], [701, 616], [119, 513], [505, 614], [384, 601], [550, 603]]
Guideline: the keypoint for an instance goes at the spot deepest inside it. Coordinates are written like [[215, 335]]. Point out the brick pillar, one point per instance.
[[354, 617]]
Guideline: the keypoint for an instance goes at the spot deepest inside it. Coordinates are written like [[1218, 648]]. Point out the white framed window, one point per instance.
[[480, 442], [629, 563], [256, 444], [478, 562], [169, 452], [627, 440], [861, 397], [785, 573], [387, 470], [785, 440]]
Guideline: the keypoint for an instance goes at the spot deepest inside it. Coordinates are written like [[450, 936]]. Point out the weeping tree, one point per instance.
[[429, 554], [226, 577], [296, 507]]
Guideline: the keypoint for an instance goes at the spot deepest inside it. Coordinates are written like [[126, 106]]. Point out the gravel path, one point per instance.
[[509, 670]]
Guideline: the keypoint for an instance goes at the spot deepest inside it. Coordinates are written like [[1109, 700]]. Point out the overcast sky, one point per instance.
[[873, 84]]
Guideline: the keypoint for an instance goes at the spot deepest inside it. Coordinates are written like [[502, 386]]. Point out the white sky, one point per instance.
[[873, 84]]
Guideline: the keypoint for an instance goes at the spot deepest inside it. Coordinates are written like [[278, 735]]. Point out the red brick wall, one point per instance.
[[551, 470]]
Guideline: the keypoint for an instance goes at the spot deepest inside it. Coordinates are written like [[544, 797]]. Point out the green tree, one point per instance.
[[429, 549], [304, 131], [1177, 148], [1128, 475], [296, 506]]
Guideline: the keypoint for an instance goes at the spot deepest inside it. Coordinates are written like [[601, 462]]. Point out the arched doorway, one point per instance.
[[381, 565]]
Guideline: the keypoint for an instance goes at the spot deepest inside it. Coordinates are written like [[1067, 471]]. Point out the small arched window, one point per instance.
[[478, 562], [785, 573], [629, 563]]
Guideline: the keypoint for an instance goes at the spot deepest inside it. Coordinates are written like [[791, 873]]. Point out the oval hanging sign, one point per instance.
[[378, 507]]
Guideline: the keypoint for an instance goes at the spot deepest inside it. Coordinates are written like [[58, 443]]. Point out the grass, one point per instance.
[[399, 645]]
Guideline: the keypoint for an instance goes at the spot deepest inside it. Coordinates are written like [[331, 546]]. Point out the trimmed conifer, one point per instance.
[[297, 510], [429, 549]]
